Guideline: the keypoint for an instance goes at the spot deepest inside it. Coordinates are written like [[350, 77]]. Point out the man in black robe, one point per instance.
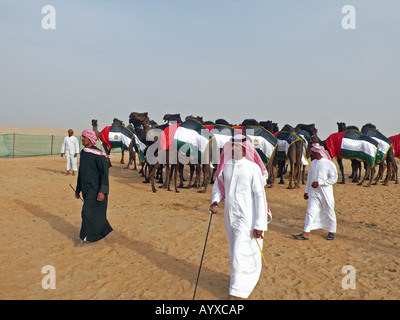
[[93, 183]]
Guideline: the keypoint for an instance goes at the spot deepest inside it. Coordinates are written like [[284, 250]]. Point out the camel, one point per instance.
[[98, 134], [294, 154], [306, 131], [388, 157], [370, 170], [141, 123], [339, 159], [265, 131], [197, 169], [131, 147], [224, 123], [273, 128], [168, 118]]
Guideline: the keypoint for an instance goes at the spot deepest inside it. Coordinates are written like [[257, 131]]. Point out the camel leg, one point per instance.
[[122, 156], [180, 169], [198, 176], [152, 174], [175, 177], [388, 174], [134, 160], [380, 173], [340, 163], [168, 173], [281, 166], [367, 173], [298, 174], [291, 176], [191, 176], [206, 172], [303, 175], [395, 171], [147, 169], [372, 172], [213, 174]]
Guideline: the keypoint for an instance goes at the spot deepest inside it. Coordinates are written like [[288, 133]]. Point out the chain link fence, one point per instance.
[[25, 145]]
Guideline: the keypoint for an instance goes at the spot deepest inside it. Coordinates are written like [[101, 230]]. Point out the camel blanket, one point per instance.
[[119, 136], [306, 137], [384, 143], [264, 142], [352, 144], [167, 136], [285, 140], [191, 140], [396, 145], [116, 136], [221, 135]]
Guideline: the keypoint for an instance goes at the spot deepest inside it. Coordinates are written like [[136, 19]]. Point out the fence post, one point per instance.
[[51, 151], [14, 146]]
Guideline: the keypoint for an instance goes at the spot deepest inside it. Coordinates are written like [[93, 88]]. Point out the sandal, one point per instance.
[[331, 236], [299, 237]]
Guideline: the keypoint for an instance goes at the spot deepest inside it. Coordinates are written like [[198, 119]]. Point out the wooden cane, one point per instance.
[[201, 262]]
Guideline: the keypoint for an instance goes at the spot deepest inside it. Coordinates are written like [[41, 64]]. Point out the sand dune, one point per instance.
[[155, 248]]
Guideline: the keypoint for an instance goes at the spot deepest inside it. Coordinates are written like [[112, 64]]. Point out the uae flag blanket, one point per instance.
[[396, 145], [221, 134], [384, 143], [352, 144], [139, 145], [192, 139], [285, 140], [167, 136], [117, 136], [264, 141]]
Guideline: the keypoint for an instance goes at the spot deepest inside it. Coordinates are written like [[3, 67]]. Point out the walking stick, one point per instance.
[[75, 192], [201, 262], [262, 255]]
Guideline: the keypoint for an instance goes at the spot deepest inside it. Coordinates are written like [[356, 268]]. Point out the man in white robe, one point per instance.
[[70, 147], [319, 193], [241, 177]]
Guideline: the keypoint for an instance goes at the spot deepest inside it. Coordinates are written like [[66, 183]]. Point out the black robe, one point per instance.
[[92, 179]]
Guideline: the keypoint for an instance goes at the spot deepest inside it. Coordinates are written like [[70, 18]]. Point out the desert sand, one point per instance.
[[155, 249]]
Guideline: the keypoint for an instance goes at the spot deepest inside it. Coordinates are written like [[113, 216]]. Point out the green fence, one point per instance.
[[25, 145]]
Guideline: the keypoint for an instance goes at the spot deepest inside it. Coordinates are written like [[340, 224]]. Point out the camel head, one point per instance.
[[369, 126], [267, 125], [224, 122], [352, 128], [341, 126], [94, 123], [172, 117], [250, 122], [310, 128], [288, 128], [117, 121], [137, 118]]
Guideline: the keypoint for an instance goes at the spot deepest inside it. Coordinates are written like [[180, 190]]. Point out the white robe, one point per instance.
[[245, 210], [321, 202], [69, 148]]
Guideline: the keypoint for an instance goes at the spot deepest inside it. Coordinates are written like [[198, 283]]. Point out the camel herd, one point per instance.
[[289, 150]]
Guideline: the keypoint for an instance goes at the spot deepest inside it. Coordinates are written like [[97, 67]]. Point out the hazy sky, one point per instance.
[[286, 61]]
